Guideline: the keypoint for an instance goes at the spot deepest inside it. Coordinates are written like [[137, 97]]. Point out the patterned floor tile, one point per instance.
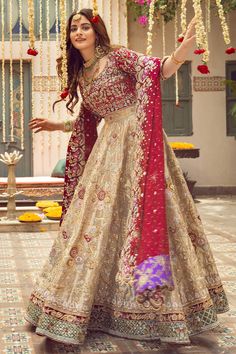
[[8, 278], [6, 263], [10, 295]]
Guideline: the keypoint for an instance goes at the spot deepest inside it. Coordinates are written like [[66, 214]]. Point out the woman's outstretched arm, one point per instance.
[[178, 57], [42, 124]]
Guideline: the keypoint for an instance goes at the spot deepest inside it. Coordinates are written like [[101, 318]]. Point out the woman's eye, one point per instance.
[[73, 29], [85, 28]]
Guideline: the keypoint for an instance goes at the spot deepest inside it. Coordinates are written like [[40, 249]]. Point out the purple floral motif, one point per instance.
[[154, 272]]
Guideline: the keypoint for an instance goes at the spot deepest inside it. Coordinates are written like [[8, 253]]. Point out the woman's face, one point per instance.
[[82, 34]]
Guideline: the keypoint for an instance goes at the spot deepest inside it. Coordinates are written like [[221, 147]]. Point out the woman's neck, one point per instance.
[[87, 54]]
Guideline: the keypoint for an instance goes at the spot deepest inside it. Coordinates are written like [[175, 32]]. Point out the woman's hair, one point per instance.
[[75, 59]]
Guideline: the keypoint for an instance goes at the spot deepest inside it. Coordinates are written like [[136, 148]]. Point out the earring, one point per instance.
[[99, 52]]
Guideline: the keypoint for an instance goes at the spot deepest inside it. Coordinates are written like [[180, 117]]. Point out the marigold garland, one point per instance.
[[3, 76], [150, 27]]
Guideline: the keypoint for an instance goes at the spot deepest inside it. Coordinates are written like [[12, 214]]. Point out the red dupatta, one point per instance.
[[145, 259]]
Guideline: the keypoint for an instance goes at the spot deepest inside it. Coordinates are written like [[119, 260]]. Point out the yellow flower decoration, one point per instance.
[[29, 217], [46, 204], [181, 145]]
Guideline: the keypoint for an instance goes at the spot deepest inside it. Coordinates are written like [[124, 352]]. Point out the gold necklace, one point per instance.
[[88, 80], [90, 63]]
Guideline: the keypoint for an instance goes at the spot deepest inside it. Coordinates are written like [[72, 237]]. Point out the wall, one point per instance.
[[216, 165]]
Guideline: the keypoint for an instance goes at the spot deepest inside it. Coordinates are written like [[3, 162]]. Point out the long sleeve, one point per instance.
[[134, 63]]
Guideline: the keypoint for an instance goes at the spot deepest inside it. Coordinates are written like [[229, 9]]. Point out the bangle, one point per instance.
[[68, 126], [176, 61], [162, 66]]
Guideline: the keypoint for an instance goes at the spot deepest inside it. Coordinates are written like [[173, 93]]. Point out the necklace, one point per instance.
[[89, 79], [90, 63]]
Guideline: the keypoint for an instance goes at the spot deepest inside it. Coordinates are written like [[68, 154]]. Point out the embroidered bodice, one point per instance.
[[111, 90]]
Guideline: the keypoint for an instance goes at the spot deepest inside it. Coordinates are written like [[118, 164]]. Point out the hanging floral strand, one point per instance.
[[21, 79], [176, 74], [48, 74], [208, 15], [3, 76], [201, 38], [225, 27], [41, 95], [95, 18], [31, 50], [65, 91], [150, 27], [11, 76], [183, 16], [58, 107], [163, 36]]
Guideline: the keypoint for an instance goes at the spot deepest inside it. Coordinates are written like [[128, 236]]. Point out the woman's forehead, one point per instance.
[[79, 19]]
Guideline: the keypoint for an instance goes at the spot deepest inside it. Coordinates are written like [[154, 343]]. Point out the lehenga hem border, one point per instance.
[[58, 339]]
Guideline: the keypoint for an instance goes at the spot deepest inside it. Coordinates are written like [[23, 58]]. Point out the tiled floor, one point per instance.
[[22, 256]]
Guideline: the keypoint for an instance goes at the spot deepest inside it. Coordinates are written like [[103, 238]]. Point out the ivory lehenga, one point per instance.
[[131, 257]]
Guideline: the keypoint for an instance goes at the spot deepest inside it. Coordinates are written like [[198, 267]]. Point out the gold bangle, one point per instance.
[[176, 61], [68, 126]]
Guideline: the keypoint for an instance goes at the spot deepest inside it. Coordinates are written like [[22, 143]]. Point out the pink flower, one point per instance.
[[140, 2], [143, 20]]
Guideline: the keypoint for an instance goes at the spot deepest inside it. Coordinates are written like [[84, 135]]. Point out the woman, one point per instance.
[[131, 257]]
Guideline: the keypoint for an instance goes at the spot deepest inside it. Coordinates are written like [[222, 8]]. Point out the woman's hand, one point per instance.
[[41, 124], [189, 35]]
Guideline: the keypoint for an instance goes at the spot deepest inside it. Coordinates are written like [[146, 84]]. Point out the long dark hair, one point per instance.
[[75, 59]]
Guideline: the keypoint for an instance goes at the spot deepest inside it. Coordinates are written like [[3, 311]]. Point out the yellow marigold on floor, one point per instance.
[[29, 217], [181, 145], [46, 204]]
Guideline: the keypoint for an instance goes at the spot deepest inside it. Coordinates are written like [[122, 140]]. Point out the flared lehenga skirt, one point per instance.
[[78, 287]]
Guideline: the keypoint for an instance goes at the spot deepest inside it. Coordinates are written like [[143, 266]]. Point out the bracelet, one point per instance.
[[68, 126], [162, 66], [176, 61]]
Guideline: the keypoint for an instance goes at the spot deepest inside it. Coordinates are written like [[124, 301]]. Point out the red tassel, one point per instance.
[[230, 50], [180, 39], [203, 69], [32, 51], [199, 51], [64, 94]]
